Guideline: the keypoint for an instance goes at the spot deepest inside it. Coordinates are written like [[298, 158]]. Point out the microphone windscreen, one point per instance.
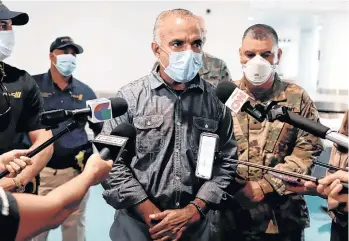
[[224, 90], [129, 131], [124, 130], [119, 106]]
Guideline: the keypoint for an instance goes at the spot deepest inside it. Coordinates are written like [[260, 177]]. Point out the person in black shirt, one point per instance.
[[23, 216], [20, 105]]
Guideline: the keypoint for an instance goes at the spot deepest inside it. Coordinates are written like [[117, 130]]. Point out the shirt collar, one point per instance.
[[71, 82], [156, 81]]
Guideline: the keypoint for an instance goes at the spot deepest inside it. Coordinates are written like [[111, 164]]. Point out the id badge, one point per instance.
[[206, 155]]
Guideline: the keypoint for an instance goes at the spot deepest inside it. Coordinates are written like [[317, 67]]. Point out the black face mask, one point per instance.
[[5, 108]]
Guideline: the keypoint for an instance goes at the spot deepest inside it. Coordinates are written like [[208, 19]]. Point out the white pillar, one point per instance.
[[334, 53], [308, 59]]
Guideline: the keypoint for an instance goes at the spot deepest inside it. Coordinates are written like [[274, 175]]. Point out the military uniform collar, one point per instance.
[[204, 69], [277, 93]]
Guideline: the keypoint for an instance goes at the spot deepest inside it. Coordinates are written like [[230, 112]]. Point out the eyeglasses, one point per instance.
[[7, 98]]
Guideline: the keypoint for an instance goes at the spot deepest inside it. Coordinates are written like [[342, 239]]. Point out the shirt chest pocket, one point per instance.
[[150, 137], [200, 125]]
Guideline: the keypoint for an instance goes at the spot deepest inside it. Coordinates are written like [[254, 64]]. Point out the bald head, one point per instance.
[[175, 16]]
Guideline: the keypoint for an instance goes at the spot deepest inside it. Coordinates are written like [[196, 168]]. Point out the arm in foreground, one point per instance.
[[42, 213]]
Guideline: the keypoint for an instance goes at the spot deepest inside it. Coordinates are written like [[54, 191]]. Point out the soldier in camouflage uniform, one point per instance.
[[264, 209], [213, 69]]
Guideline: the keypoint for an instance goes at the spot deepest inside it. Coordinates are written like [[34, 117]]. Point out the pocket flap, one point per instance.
[[205, 124], [148, 122]]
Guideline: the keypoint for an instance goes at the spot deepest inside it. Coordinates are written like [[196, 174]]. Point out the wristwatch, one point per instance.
[[20, 187]]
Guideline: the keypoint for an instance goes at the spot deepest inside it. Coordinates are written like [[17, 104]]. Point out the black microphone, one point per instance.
[[98, 110], [122, 138], [281, 113], [236, 100]]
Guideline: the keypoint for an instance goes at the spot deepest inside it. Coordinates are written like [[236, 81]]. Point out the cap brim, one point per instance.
[[17, 18], [79, 49]]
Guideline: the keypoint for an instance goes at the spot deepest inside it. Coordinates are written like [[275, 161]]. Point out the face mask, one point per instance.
[[66, 64], [258, 70], [183, 66], [7, 42]]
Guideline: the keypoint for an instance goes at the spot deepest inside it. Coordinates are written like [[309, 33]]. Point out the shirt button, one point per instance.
[[206, 126], [177, 204], [178, 123], [148, 123], [179, 97], [61, 101]]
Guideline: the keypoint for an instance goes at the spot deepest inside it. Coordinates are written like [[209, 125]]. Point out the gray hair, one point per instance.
[[262, 32], [182, 13]]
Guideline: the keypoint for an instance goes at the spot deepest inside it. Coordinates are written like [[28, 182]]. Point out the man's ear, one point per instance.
[[51, 56], [279, 56], [156, 49]]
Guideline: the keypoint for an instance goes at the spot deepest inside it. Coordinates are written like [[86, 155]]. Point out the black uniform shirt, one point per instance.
[[26, 105]]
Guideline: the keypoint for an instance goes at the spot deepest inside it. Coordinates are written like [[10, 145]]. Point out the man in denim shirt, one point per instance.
[[156, 194]]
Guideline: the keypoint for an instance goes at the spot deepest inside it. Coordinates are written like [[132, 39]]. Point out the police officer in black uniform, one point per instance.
[[20, 105]]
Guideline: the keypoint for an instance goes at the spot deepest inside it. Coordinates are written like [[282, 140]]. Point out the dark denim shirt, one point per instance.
[[168, 133]]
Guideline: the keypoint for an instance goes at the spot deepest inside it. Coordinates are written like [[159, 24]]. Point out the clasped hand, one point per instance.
[[172, 223]]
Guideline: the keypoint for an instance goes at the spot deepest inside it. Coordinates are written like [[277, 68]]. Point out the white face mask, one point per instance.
[[7, 42], [258, 70]]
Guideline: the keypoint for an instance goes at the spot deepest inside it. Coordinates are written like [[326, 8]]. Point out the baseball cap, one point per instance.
[[18, 18], [62, 42]]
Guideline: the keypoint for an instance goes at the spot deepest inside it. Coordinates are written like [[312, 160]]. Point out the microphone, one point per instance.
[[52, 118], [286, 175], [121, 138], [237, 100], [97, 110], [281, 113]]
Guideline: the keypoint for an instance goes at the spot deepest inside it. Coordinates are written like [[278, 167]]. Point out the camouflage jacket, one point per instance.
[[285, 147], [213, 69]]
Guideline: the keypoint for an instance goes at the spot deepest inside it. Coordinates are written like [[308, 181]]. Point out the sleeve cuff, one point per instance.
[[129, 195], [266, 186], [276, 183], [210, 193]]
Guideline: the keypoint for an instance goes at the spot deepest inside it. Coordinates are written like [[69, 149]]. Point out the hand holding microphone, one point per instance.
[[333, 186]]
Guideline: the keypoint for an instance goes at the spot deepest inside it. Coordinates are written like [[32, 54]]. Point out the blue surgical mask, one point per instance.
[[66, 64], [183, 66]]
